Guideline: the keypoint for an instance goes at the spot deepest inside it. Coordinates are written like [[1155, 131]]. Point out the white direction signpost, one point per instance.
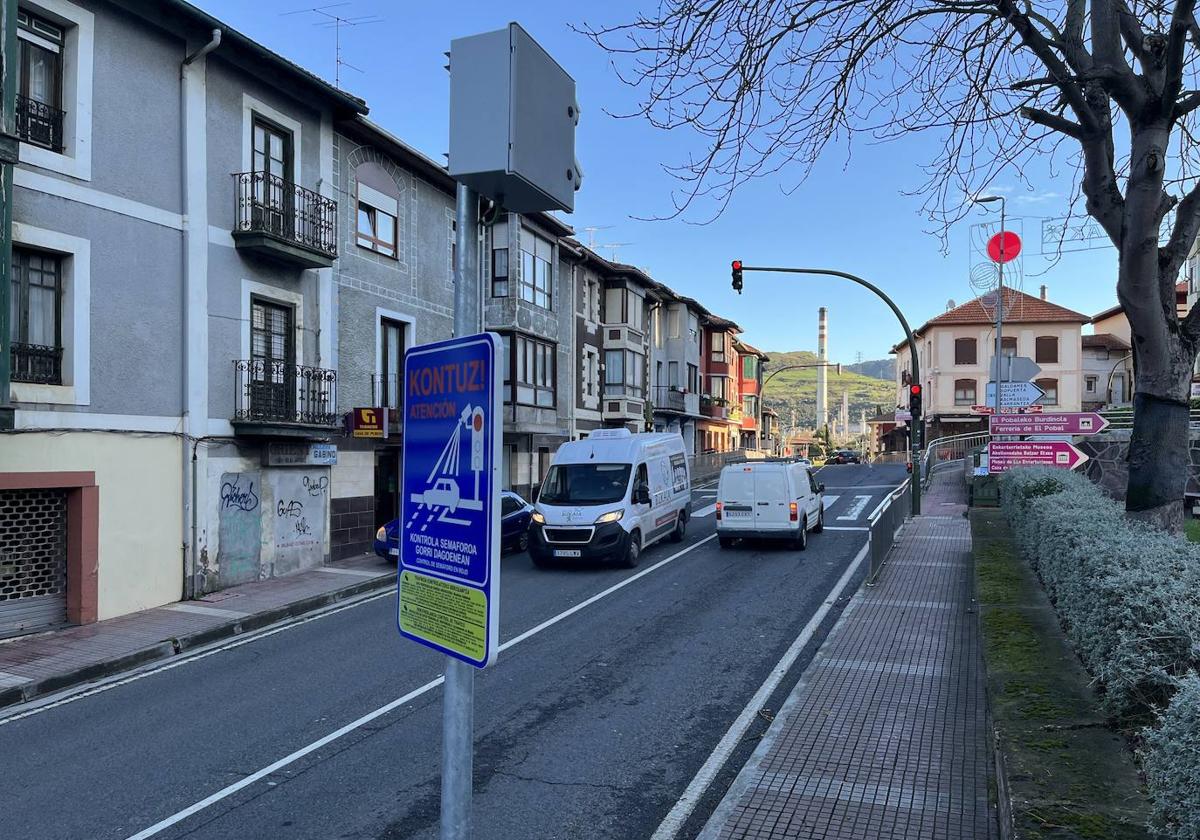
[[1014, 394]]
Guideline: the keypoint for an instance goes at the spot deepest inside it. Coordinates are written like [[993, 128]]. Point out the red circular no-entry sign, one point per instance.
[[1011, 246]]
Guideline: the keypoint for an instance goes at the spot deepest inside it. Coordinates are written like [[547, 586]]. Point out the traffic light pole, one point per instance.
[[916, 437]]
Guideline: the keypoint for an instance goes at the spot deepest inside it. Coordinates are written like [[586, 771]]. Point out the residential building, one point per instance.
[[750, 364], [1107, 371], [589, 270], [769, 432], [675, 361], [173, 299], [717, 430], [956, 350], [394, 287], [529, 299], [629, 297]]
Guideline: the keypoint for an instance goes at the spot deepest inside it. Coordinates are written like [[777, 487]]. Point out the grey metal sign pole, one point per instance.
[[458, 694]]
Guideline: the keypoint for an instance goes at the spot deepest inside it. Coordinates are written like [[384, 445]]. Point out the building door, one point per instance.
[[33, 560], [271, 161], [1116, 395], [272, 362], [387, 484]]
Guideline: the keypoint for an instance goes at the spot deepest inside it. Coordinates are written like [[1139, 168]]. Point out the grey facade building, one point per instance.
[[675, 365]]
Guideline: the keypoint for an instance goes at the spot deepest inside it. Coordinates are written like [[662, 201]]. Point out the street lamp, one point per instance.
[[988, 199]]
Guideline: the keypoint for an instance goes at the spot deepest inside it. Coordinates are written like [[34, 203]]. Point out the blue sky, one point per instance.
[[851, 213]]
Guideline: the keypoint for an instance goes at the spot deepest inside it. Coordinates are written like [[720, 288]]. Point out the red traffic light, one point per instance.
[[737, 265], [915, 390]]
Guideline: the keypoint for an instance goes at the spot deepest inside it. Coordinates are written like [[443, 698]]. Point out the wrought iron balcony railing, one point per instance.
[[267, 204], [278, 392], [39, 123], [36, 363], [669, 398]]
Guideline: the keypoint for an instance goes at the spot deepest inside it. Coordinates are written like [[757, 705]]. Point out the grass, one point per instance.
[[1191, 527]]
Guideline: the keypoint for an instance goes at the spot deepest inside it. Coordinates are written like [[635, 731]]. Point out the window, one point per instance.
[[590, 375], [378, 209], [453, 235], [39, 115], [673, 374], [717, 346], [1050, 386], [657, 326], [1008, 346], [499, 272], [750, 405], [716, 387], [624, 373], [35, 311], [271, 154], [658, 377], [1090, 383], [1045, 349], [623, 306], [964, 351], [693, 380], [964, 391], [506, 352], [272, 386], [391, 363], [537, 270], [749, 367], [543, 463], [675, 322], [509, 505], [534, 372], [1102, 354], [271, 167]]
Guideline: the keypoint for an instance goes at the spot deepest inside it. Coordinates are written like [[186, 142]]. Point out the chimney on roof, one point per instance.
[[1043, 291]]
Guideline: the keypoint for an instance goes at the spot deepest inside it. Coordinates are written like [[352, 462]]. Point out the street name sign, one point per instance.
[[1014, 394], [448, 581], [1086, 423], [903, 415], [1003, 455]]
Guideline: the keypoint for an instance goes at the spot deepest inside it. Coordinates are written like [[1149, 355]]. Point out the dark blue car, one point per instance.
[[515, 515]]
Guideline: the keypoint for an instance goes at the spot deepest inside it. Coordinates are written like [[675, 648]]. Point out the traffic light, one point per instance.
[[737, 276], [914, 400]]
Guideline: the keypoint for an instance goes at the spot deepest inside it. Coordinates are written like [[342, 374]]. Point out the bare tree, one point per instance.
[[1108, 86]]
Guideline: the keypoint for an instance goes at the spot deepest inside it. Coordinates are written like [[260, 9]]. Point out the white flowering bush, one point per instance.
[[1171, 760], [1128, 594]]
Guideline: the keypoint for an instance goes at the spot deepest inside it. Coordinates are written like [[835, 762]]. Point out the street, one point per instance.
[[591, 724]]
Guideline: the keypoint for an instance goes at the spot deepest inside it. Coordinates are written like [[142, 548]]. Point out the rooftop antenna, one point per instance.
[[614, 247], [591, 230], [335, 21]]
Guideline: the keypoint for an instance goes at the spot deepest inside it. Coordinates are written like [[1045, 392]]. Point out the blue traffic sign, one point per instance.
[[449, 592]]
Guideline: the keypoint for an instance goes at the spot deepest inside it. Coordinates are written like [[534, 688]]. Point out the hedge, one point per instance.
[[1128, 595]]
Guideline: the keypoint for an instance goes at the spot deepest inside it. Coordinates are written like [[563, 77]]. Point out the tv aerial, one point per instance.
[[335, 21]]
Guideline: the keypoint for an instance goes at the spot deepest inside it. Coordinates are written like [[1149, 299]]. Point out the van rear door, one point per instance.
[[771, 499], [736, 492]]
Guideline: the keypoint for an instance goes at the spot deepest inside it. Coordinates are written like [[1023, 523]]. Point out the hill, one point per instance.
[[877, 368], [796, 390]]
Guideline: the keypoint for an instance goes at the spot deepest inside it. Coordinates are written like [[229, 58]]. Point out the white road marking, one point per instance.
[[856, 509], [867, 487], [670, 826], [705, 511], [291, 758], [829, 500]]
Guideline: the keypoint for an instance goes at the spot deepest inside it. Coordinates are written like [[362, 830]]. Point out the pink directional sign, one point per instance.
[[1086, 423], [1005, 454]]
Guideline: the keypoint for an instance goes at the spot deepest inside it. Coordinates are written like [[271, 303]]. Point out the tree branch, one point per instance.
[[1109, 54], [1053, 121], [1182, 21]]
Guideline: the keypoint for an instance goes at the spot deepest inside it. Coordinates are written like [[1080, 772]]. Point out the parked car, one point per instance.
[[771, 500], [610, 496], [843, 456], [515, 515], [804, 462]]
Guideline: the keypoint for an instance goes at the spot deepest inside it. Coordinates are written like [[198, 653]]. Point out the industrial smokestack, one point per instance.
[[822, 356]]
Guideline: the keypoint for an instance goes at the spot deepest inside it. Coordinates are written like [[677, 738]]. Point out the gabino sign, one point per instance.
[[449, 523]]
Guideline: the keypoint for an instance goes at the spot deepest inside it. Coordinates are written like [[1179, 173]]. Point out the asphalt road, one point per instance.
[[591, 725]]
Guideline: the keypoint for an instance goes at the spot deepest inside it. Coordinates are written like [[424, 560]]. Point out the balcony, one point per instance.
[[623, 402], [281, 221], [387, 392], [36, 363], [284, 400], [714, 407], [39, 123], [669, 399]]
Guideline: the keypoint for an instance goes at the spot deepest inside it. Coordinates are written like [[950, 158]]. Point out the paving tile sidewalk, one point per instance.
[[885, 735], [31, 666]]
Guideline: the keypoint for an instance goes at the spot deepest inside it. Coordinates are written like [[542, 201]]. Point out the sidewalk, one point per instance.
[[885, 735], [31, 666]]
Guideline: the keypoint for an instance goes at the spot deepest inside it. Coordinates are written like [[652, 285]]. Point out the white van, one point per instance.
[[769, 500], [610, 496]]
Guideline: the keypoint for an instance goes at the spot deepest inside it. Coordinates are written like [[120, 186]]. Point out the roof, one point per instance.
[[158, 10], [1107, 341], [753, 351], [720, 323], [1019, 308]]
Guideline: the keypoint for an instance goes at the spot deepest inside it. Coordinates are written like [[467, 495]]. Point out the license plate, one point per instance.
[[394, 551], [737, 514], [567, 552]]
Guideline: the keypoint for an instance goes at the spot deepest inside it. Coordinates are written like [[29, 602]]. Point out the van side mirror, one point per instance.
[[641, 495]]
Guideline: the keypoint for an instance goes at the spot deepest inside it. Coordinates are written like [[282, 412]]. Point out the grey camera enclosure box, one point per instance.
[[512, 121]]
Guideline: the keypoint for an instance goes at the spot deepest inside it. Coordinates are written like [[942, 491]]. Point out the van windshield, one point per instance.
[[585, 484]]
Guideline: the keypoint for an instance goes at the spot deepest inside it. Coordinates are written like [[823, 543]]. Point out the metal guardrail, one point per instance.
[[950, 449], [885, 523]]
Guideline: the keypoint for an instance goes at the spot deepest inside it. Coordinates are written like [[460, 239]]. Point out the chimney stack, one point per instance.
[[822, 356], [1043, 291]]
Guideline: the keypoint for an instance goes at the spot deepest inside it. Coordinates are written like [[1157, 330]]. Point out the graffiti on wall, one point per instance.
[[240, 528], [300, 513]]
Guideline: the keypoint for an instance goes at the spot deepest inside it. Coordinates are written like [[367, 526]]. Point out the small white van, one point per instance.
[[769, 500], [610, 496]]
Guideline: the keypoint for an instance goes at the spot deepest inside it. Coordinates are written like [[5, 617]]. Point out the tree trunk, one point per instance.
[[1158, 459]]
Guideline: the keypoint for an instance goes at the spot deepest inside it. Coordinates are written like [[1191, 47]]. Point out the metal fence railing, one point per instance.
[[951, 449], [1121, 418], [885, 523]]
